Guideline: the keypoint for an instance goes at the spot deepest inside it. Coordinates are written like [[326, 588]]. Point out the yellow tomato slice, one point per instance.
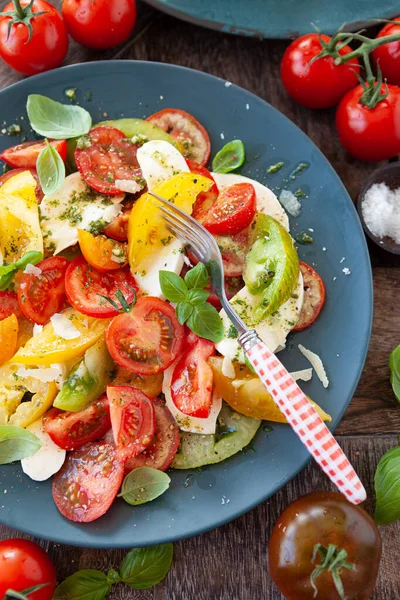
[[101, 252], [8, 338], [42, 401], [147, 230], [247, 394], [25, 332], [47, 347]]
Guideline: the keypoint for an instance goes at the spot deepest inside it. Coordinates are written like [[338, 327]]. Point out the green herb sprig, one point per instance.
[[58, 121], [7, 272], [50, 168], [230, 157], [192, 307]]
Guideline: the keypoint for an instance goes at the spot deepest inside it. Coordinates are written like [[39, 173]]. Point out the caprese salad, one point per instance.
[[115, 354]]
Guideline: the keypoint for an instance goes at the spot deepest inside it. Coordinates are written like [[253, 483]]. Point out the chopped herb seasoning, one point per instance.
[[299, 193], [167, 240], [71, 94], [275, 168], [83, 142], [298, 170], [304, 238], [232, 332], [96, 227], [88, 96], [14, 129]]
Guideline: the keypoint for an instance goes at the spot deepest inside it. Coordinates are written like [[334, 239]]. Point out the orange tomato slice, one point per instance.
[[8, 338], [101, 252]]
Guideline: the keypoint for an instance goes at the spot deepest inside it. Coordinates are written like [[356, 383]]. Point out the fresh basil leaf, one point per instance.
[[143, 568], [7, 272], [29, 258], [197, 277], [51, 169], [113, 577], [387, 488], [16, 443], [144, 485], [197, 296], [206, 322], [394, 364], [52, 119], [183, 311], [229, 158], [395, 382], [172, 286], [87, 584]]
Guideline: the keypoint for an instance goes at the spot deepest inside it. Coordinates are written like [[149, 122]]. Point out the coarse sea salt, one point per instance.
[[290, 203], [381, 211]]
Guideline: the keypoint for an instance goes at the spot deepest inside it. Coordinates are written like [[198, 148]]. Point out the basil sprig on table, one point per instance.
[[387, 488], [50, 168], [230, 157], [141, 568], [7, 272], [143, 485], [52, 119], [192, 307], [394, 364], [17, 443]]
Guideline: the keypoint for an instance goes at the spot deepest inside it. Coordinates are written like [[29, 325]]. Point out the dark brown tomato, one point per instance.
[[314, 297]]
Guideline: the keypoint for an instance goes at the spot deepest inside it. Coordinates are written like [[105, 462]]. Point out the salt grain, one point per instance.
[[381, 211]]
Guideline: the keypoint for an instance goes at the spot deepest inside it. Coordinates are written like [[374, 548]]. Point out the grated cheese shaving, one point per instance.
[[316, 362], [228, 368], [45, 375], [63, 327], [127, 185], [303, 375], [32, 270], [290, 203]]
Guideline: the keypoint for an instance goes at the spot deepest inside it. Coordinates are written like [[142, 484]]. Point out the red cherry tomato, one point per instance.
[[38, 191], [133, 420], [160, 454], [24, 564], [88, 482], [118, 228], [370, 134], [99, 24], [49, 42], [41, 296], [234, 250], [85, 288], [187, 130], [321, 84], [72, 430], [25, 155], [109, 157], [388, 55], [314, 297], [148, 339], [205, 200], [233, 210], [9, 305], [192, 379]]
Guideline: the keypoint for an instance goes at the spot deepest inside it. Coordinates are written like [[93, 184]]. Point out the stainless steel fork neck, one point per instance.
[[248, 339]]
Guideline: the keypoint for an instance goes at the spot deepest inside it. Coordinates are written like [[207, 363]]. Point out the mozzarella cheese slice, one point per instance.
[[47, 460]]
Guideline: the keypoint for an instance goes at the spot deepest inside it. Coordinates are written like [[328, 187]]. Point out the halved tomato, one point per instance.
[[187, 130], [38, 191], [107, 157], [234, 249], [133, 420], [233, 210], [86, 287], [160, 454], [151, 385], [88, 482], [148, 339], [41, 296], [25, 155], [192, 379], [9, 305], [118, 228], [72, 430], [205, 200], [102, 253], [314, 297], [8, 338]]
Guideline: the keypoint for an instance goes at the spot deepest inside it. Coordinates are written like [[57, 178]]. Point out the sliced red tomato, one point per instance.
[[109, 157], [88, 482], [118, 228], [234, 249], [160, 454], [12, 172], [41, 296], [192, 379], [85, 288], [25, 155], [187, 130], [133, 420], [72, 430], [205, 200], [233, 211], [232, 286], [148, 339], [314, 297], [9, 305]]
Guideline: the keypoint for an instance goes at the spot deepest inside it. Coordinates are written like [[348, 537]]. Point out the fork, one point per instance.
[[287, 395]]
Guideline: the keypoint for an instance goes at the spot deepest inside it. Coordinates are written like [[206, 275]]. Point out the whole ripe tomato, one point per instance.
[[37, 46], [99, 24], [388, 55], [24, 564], [309, 528], [370, 134], [321, 84]]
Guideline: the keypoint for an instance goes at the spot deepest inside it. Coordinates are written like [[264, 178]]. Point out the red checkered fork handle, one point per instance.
[[303, 418]]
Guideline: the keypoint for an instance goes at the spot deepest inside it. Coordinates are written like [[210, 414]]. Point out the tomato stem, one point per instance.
[[21, 14], [333, 561], [366, 47]]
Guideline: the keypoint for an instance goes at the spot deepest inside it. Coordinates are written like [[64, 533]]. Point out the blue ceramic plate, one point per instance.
[[273, 19], [341, 335]]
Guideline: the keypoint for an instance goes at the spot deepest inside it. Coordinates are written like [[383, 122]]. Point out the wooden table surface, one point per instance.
[[230, 563]]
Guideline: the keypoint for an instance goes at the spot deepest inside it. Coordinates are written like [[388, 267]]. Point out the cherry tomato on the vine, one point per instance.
[[388, 55]]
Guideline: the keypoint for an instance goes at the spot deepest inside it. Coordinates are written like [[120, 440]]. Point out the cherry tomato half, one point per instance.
[[205, 200], [9, 305], [314, 297], [24, 564], [88, 482], [102, 253], [108, 158], [24, 156], [234, 250], [118, 228], [72, 430], [233, 210], [187, 130], [48, 45], [86, 287], [133, 420], [311, 524], [160, 454], [12, 172], [388, 55], [41, 296], [148, 339], [320, 84]]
